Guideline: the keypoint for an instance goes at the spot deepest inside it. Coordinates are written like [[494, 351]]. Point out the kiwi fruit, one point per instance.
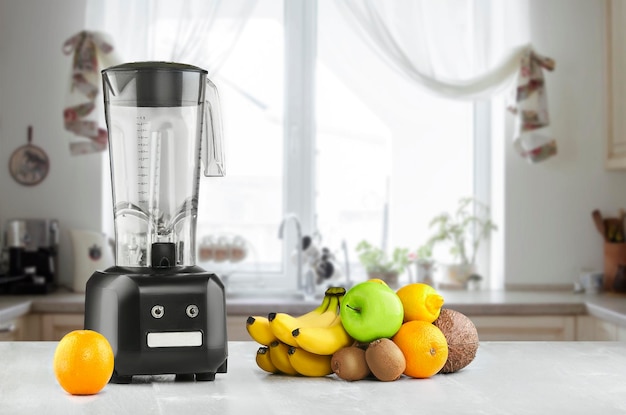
[[385, 360], [349, 363], [462, 338]]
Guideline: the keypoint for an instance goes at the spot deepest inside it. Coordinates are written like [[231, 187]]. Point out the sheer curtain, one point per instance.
[[197, 32], [425, 41]]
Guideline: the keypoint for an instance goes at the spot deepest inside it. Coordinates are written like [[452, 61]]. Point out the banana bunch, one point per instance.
[[301, 345]]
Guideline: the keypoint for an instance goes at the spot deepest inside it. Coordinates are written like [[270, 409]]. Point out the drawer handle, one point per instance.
[[9, 328]]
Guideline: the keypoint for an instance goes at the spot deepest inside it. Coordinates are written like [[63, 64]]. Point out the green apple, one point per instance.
[[371, 311]]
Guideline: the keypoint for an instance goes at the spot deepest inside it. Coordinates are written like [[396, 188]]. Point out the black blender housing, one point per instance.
[[162, 319], [127, 306]]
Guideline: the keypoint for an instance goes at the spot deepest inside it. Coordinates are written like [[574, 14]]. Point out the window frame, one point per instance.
[[299, 127]]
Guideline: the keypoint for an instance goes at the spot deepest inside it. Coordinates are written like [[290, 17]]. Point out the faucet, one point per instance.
[[309, 288], [344, 248]]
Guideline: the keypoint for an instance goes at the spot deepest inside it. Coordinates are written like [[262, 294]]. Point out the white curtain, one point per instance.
[[426, 41], [196, 32], [429, 42]]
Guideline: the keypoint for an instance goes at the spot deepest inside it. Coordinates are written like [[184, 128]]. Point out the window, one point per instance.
[[385, 156], [317, 125], [248, 202], [414, 150]]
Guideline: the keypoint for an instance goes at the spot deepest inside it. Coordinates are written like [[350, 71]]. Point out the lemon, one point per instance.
[[420, 301]]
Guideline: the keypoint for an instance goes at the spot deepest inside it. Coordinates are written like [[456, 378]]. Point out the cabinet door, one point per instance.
[[55, 326], [523, 328], [621, 334], [605, 331], [10, 331], [236, 328], [589, 328], [616, 35]]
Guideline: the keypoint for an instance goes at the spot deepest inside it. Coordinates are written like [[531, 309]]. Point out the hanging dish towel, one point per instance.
[[531, 109], [89, 50]]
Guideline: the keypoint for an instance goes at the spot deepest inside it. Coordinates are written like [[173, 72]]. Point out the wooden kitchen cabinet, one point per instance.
[[13, 330], [52, 327], [24, 328], [490, 328], [525, 328], [589, 328], [236, 328], [55, 326], [616, 84]]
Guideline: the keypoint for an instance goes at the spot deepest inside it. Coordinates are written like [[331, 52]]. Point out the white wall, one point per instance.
[[34, 77], [547, 229], [549, 232]]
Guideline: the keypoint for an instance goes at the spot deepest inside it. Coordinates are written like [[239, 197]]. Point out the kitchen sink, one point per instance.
[[262, 302], [271, 296]]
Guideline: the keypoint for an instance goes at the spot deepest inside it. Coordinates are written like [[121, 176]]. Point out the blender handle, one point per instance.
[[213, 154]]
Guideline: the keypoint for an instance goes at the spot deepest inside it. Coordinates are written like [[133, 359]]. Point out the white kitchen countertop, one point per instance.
[[607, 306], [505, 378]]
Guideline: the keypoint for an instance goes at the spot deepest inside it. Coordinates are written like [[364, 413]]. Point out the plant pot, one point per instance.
[[390, 278], [425, 272], [460, 273]]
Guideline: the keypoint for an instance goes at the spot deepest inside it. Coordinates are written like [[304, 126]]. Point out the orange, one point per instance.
[[83, 362], [377, 280], [420, 301], [424, 347]]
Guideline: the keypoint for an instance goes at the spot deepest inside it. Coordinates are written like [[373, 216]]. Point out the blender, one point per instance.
[[161, 313]]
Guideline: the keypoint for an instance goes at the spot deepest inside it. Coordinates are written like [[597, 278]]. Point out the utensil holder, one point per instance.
[[614, 256]]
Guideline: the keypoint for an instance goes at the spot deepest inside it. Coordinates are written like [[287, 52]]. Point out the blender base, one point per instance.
[[167, 321], [190, 377]]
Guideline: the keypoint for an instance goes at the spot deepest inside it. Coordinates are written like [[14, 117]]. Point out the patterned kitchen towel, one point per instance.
[[531, 109], [89, 50]]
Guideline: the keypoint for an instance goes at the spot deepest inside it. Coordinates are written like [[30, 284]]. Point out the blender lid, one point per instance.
[[154, 66], [156, 84]]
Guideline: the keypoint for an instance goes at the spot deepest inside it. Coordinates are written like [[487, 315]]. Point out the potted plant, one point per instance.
[[379, 265], [463, 230], [425, 263]]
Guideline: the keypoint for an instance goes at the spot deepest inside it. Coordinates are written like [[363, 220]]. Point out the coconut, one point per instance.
[[349, 363], [462, 339], [385, 360]]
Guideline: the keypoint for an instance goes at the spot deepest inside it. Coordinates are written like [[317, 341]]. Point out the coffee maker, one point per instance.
[[30, 255], [161, 313]]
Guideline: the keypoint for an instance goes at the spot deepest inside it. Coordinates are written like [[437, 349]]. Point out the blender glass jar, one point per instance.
[[156, 114]]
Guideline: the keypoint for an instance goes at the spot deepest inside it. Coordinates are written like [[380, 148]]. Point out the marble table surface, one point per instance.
[[505, 378]]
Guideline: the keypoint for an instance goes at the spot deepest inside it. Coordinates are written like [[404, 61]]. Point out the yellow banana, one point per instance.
[[259, 329], [323, 340], [283, 324], [315, 313], [280, 359], [264, 361], [309, 364], [335, 291]]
